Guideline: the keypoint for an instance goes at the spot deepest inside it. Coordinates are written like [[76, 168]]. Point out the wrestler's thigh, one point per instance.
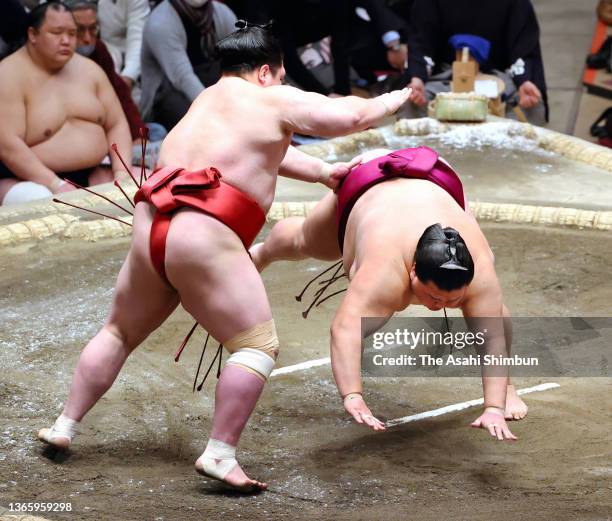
[[142, 299], [320, 230], [215, 277]]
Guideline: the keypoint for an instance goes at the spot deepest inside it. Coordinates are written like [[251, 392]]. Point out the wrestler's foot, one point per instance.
[[516, 409], [257, 256], [235, 478], [61, 434], [59, 442]]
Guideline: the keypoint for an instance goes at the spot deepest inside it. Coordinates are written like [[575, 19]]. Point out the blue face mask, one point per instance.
[[86, 50]]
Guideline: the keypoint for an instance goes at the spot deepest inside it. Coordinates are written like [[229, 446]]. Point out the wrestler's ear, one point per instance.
[[413, 275], [264, 74], [32, 34]]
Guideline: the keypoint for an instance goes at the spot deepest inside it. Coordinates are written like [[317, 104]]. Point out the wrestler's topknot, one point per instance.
[[442, 257], [248, 48]]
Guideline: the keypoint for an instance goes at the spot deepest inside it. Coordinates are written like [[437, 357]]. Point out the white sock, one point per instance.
[[218, 459]]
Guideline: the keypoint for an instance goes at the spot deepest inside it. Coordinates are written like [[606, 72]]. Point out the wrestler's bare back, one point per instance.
[[64, 118], [388, 221], [235, 127]]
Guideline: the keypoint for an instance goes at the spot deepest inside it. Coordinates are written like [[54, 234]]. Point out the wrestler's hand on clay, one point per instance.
[[529, 95], [333, 174], [357, 408], [492, 420], [418, 92]]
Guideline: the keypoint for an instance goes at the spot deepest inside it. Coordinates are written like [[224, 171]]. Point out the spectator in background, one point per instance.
[[121, 26], [364, 34], [379, 42], [59, 113], [378, 39], [301, 22], [511, 28], [178, 59], [94, 48], [13, 24], [88, 44]]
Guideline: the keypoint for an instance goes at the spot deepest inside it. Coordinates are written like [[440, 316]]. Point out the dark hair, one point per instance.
[[36, 16], [442, 257], [248, 48], [84, 5]]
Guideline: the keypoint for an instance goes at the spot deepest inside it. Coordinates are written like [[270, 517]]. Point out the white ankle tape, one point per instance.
[[218, 459], [63, 426], [254, 359]]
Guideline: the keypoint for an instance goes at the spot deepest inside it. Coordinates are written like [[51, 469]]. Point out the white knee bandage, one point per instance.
[[24, 192], [253, 359], [255, 349], [218, 459]]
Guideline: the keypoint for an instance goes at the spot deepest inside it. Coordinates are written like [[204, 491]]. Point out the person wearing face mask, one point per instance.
[[178, 60], [90, 45], [384, 223], [59, 113]]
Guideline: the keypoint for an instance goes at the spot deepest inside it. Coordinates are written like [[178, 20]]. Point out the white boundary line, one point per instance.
[[422, 415], [299, 367], [463, 405]]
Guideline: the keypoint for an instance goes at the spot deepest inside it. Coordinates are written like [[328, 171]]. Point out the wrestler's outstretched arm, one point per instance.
[[316, 115], [377, 290], [303, 167], [484, 311]]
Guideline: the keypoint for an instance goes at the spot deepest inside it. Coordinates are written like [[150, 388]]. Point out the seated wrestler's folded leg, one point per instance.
[[253, 353], [25, 192]]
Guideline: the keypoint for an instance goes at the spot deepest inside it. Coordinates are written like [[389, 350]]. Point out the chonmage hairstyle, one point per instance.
[[443, 258], [248, 48]]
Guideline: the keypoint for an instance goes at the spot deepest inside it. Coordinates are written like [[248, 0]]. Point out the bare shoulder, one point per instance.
[[13, 69], [382, 280], [285, 94], [484, 295], [82, 66]]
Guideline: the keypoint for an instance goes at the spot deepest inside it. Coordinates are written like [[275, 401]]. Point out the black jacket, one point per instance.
[[510, 25], [13, 23], [299, 22]]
